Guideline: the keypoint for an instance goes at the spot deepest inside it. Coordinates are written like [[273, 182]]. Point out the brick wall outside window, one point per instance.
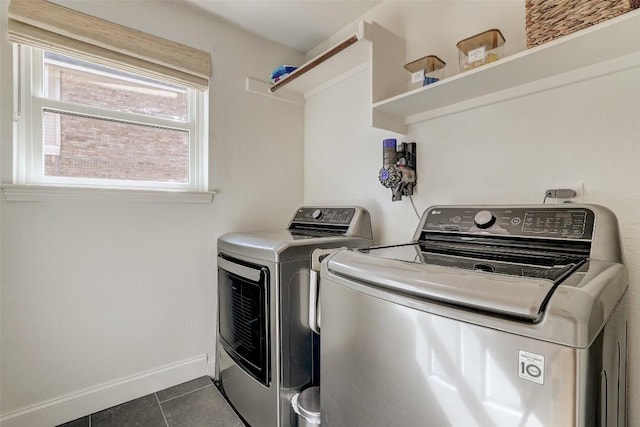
[[77, 146]]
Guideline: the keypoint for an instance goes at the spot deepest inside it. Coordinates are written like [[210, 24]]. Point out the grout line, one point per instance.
[[161, 410], [184, 394]]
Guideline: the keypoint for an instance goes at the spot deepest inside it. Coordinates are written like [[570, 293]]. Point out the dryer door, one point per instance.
[[243, 300]]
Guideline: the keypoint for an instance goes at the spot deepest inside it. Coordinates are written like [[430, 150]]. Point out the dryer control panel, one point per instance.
[[313, 215], [347, 221]]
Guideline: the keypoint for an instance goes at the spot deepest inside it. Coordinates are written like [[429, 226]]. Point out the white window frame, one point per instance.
[[28, 138]]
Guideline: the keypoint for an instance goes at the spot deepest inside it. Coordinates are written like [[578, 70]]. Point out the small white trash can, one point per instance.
[[307, 405]]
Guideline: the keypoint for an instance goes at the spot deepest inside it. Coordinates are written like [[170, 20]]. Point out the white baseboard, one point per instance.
[[69, 407]]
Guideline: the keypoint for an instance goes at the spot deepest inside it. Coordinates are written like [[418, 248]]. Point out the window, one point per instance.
[[85, 124], [103, 105]]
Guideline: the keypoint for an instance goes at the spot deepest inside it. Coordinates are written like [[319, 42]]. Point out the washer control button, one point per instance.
[[484, 219], [317, 214]]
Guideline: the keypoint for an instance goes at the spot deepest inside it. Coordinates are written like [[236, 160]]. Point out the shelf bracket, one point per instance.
[[263, 88]]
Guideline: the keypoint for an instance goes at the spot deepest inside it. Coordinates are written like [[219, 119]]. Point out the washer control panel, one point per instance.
[[312, 215], [552, 222]]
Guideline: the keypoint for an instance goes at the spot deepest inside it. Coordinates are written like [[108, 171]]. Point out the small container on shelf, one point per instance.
[[425, 71], [480, 49]]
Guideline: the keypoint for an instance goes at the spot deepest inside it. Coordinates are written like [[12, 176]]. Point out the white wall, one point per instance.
[[105, 301], [509, 152]]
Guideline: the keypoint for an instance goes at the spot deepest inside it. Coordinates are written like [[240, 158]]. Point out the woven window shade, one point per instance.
[[48, 26]]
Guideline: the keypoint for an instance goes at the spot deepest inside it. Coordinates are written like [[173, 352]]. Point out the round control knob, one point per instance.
[[484, 219], [317, 214]]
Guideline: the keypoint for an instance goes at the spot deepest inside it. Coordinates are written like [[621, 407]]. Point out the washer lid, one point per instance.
[[513, 296], [574, 311]]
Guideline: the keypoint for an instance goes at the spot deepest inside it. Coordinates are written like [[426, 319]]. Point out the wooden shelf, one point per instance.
[[600, 49], [318, 61]]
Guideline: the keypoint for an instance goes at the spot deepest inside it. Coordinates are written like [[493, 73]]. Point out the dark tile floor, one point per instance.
[[196, 403]]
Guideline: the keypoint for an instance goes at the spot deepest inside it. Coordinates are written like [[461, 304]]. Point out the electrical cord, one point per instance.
[[545, 199], [414, 207]]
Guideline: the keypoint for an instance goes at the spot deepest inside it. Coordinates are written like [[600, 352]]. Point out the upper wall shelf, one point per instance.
[[372, 44], [540, 68], [605, 48]]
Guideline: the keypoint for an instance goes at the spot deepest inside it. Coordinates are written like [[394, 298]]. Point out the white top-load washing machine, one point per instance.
[[265, 346], [496, 316]]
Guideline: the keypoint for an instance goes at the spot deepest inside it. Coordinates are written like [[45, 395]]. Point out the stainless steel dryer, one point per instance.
[[496, 316], [265, 347]]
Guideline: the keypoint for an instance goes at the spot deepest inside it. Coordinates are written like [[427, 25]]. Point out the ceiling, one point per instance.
[[299, 24]]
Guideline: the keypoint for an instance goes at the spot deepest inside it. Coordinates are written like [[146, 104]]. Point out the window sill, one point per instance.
[[41, 193]]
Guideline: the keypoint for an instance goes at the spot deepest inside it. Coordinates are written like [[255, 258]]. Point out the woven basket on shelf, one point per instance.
[[549, 19]]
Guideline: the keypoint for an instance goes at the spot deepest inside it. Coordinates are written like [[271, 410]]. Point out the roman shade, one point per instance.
[[48, 26]]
